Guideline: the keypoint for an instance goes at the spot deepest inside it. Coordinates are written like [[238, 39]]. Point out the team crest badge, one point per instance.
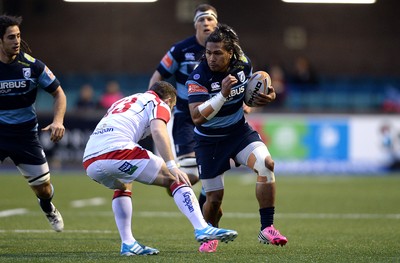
[[241, 76], [26, 72]]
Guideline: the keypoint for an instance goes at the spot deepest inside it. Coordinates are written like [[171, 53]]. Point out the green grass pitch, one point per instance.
[[325, 218]]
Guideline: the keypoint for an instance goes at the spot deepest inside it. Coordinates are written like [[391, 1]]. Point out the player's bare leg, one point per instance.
[[265, 194], [44, 193]]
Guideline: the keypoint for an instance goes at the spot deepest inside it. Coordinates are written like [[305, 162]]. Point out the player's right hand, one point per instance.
[[227, 84], [180, 176]]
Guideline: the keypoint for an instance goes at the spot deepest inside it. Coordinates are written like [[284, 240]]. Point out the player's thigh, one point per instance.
[[112, 173], [213, 158], [183, 134], [28, 155]]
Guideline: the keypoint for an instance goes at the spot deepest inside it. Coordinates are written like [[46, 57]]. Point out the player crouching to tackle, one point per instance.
[[114, 158]]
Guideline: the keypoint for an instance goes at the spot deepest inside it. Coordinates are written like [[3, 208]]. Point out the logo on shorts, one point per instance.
[[127, 168]]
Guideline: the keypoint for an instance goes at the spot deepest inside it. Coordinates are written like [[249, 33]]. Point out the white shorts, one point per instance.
[[124, 166]]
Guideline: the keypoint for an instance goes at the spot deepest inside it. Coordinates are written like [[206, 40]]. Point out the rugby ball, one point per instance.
[[259, 82]]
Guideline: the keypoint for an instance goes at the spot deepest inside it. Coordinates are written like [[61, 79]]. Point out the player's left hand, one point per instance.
[[57, 131], [262, 99]]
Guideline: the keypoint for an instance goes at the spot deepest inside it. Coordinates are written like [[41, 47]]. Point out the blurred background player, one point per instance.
[[114, 158], [20, 77], [180, 61], [216, 90]]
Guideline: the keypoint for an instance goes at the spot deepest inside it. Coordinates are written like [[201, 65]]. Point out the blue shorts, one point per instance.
[[213, 154], [183, 133], [22, 149]]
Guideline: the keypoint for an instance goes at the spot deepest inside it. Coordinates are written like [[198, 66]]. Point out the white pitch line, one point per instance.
[[43, 231], [281, 215], [166, 214], [13, 212], [88, 202]]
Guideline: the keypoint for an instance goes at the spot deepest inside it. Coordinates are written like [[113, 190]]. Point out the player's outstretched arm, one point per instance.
[[163, 144]]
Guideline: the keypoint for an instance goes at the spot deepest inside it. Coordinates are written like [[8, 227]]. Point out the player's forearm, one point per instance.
[[161, 139], [60, 105], [163, 145]]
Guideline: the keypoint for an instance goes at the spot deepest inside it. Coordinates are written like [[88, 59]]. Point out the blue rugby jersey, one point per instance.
[[180, 61], [202, 84], [19, 82]]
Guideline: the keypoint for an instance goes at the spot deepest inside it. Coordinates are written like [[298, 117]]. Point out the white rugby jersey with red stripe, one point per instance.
[[126, 121]]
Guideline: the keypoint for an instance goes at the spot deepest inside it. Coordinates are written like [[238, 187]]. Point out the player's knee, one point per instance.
[[264, 165], [38, 179], [263, 171], [215, 197], [43, 191], [269, 163], [36, 175]]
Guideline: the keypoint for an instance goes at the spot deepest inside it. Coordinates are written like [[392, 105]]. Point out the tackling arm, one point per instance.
[[161, 139], [162, 142]]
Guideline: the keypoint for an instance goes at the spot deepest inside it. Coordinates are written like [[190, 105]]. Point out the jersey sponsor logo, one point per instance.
[[193, 88], [29, 58], [167, 61], [26, 72], [190, 56], [127, 168], [8, 86], [188, 201], [215, 86], [241, 76], [102, 130], [49, 73], [235, 92]]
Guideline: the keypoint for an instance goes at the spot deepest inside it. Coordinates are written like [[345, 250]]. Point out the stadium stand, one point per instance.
[[343, 94]]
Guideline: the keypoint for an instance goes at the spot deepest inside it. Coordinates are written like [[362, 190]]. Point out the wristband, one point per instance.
[[171, 164], [216, 104]]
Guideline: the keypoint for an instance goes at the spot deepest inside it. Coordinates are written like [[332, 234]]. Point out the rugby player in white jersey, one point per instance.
[[114, 158]]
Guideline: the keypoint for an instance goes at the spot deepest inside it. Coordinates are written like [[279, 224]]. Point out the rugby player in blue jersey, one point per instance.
[[216, 91], [21, 76]]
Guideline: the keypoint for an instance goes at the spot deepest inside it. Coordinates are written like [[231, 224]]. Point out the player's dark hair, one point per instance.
[[225, 34], [164, 90], [7, 21], [205, 7]]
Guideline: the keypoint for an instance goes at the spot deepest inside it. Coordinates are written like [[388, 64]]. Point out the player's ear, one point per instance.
[[167, 100]]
